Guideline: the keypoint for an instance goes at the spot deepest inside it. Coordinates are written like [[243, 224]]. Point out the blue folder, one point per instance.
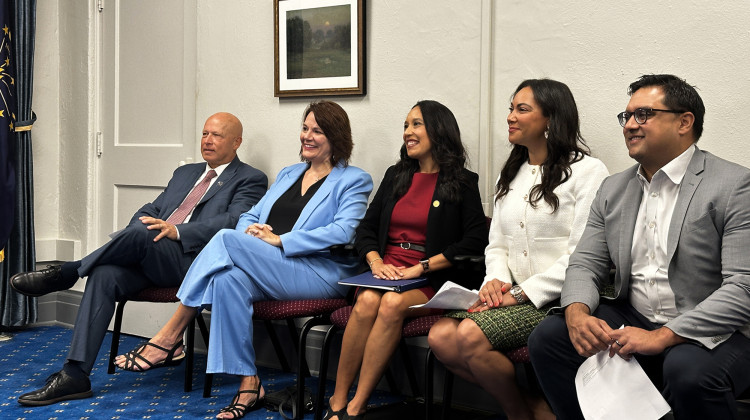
[[367, 280]]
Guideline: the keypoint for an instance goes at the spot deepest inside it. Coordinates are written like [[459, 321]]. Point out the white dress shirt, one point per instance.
[[650, 292]]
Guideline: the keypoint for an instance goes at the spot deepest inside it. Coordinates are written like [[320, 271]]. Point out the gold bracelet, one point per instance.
[[373, 261]]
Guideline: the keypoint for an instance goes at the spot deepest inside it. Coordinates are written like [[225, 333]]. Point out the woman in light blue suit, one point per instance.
[[278, 251]]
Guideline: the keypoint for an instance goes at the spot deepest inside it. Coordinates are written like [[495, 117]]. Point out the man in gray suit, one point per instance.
[[677, 228], [155, 249]]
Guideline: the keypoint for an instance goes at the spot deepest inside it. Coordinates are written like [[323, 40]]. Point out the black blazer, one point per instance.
[[453, 228]]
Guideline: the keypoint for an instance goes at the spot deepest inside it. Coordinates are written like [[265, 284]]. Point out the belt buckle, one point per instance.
[[405, 245]]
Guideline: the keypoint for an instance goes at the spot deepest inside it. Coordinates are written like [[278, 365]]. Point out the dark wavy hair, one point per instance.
[[446, 148], [678, 95], [334, 122], [565, 145]]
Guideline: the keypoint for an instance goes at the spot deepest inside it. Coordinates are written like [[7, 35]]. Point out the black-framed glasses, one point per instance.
[[641, 115]]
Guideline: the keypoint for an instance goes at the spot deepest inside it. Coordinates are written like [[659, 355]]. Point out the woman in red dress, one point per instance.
[[426, 211]]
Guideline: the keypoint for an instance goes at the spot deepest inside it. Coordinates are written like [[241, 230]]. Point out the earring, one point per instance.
[[546, 134]]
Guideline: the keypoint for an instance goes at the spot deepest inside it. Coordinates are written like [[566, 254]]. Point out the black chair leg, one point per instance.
[[189, 349], [447, 394], [299, 341], [115, 337], [323, 374], [277, 346], [302, 369], [428, 383], [207, 383], [203, 328], [391, 380], [292, 328], [410, 374], [208, 380]]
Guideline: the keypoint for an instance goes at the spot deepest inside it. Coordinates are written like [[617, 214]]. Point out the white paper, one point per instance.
[[451, 296], [612, 388]]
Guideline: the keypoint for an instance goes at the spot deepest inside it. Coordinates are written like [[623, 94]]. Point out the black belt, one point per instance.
[[409, 245]]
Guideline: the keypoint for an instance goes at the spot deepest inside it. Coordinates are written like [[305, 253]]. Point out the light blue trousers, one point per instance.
[[233, 271]]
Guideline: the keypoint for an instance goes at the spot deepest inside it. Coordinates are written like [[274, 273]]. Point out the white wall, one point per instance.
[[412, 54], [46, 131], [62, 134], [599, 47], [470, 55]]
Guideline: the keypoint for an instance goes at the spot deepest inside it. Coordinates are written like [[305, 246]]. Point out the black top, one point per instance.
[[288, 207]]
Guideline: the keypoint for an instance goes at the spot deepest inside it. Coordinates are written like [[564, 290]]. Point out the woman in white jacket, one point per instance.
[[542, 201]]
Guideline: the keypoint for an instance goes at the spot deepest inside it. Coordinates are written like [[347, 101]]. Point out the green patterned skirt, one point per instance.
[[507, 327]]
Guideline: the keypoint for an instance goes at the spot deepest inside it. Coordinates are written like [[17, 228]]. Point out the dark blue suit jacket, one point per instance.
[[131, 261], [237, 190]]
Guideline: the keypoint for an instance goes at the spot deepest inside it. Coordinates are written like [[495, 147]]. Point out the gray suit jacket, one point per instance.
[[708, 248]]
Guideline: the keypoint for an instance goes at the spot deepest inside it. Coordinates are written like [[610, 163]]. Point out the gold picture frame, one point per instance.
[[319, 47]]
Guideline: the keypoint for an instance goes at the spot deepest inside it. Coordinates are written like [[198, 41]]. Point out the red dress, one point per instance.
[[409, 224]]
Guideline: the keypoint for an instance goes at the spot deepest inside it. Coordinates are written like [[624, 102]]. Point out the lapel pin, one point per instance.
[[436, 203], [220, 183]]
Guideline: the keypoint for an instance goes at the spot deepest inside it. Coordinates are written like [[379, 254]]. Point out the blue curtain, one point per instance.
[[18, 310], [8, 111]]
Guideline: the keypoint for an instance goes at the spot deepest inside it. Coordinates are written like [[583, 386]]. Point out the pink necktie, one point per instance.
[[191, 200]]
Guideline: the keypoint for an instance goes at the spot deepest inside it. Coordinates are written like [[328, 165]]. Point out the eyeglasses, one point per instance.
[[641, 115]]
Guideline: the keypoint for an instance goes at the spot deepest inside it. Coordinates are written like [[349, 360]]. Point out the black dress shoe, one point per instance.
[[59, 387], [39, 283]]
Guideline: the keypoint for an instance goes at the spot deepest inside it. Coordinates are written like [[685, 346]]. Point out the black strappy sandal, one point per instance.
[[238, 410], [132, 357], [339, 414]]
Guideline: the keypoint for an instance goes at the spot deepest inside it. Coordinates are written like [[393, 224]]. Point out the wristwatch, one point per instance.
[[425, 265], [517, 293]]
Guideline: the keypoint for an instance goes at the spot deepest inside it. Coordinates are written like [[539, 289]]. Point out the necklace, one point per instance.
[[321, 176]]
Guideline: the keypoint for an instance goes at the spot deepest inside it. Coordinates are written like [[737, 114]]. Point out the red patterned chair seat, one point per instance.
[[289, 310], [156, 294], [283, 309], [519, 355], [419, 326]]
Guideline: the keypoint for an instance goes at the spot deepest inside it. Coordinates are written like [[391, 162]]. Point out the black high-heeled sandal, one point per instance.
[[239, 410], [132, 357], [339, 414], [347, 416]]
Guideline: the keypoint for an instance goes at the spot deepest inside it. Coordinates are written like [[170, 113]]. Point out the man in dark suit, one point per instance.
[[677, 228], [155, 249]]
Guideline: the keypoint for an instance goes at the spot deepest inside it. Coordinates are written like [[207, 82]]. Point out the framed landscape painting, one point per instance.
[[319, 47]]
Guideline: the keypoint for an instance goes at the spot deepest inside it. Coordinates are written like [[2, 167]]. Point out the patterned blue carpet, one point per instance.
[[32, 355]]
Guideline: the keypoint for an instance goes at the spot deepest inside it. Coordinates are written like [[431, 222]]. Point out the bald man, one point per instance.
[[155, 249]]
